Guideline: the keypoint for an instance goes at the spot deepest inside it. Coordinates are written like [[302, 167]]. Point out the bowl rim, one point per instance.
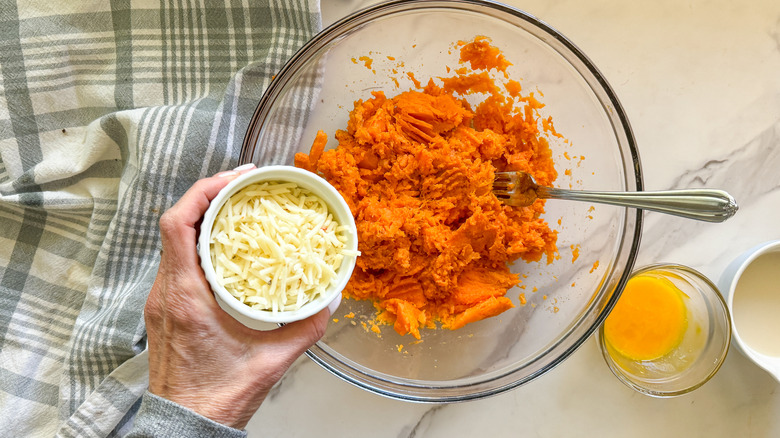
[[718, 298], [373, 383], [305, 179]]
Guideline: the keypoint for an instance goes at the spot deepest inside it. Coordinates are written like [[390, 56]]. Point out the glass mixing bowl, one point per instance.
[[566, 300]]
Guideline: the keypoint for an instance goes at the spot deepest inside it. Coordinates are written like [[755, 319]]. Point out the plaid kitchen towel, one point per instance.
[[109, 111]]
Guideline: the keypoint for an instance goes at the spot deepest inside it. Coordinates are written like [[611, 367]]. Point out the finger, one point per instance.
[[296, 337], [307, 332], [195, 201], [178, 224]]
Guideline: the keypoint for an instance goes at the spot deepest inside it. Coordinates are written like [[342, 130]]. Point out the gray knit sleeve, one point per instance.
[[159, 417]]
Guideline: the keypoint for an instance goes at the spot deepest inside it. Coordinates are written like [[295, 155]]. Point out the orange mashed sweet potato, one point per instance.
[[416, 170]]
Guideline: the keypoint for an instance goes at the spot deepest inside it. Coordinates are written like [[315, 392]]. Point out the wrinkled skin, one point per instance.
[[199, 356]]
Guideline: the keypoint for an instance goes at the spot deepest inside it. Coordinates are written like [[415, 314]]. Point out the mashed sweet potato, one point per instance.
[[416, 170]]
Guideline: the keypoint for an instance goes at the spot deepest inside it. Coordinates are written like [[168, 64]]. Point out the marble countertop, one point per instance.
[[700, 82]]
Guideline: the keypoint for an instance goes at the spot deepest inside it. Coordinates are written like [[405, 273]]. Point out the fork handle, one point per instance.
[[700, 204]]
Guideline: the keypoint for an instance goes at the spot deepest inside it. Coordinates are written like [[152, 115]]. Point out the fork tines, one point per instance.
[[503, 184], [505, 181]]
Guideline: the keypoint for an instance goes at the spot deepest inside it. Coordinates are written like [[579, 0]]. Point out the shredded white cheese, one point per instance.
[[275, 246]]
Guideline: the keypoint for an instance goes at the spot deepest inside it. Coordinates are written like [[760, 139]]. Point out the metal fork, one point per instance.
[[520, 189]]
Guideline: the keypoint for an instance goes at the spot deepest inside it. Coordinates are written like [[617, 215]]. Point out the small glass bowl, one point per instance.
[[700, 353]]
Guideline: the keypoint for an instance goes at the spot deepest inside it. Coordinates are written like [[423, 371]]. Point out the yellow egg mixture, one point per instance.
[[649, 321]]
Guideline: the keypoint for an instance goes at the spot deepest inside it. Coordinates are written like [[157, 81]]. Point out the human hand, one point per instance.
[[199, 356]]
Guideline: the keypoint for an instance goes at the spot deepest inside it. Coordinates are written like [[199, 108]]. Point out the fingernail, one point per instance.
[[246, 166], [334, 304], [227, 173]]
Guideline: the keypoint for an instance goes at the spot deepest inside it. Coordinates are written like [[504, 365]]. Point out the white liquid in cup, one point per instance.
[[756, 305]]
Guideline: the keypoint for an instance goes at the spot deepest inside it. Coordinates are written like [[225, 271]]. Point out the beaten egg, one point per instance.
[[649, 320]]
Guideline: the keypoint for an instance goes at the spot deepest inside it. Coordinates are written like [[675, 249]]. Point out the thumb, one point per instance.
[[301, 335]]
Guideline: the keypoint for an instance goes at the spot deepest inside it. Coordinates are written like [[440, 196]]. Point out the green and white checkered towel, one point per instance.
[[109, 111]]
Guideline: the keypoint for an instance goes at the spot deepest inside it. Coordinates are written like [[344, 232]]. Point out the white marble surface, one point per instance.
[[700, 81]]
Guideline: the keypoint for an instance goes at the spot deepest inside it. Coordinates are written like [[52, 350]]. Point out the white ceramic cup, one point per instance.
[[260, 319], [729, 282]]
